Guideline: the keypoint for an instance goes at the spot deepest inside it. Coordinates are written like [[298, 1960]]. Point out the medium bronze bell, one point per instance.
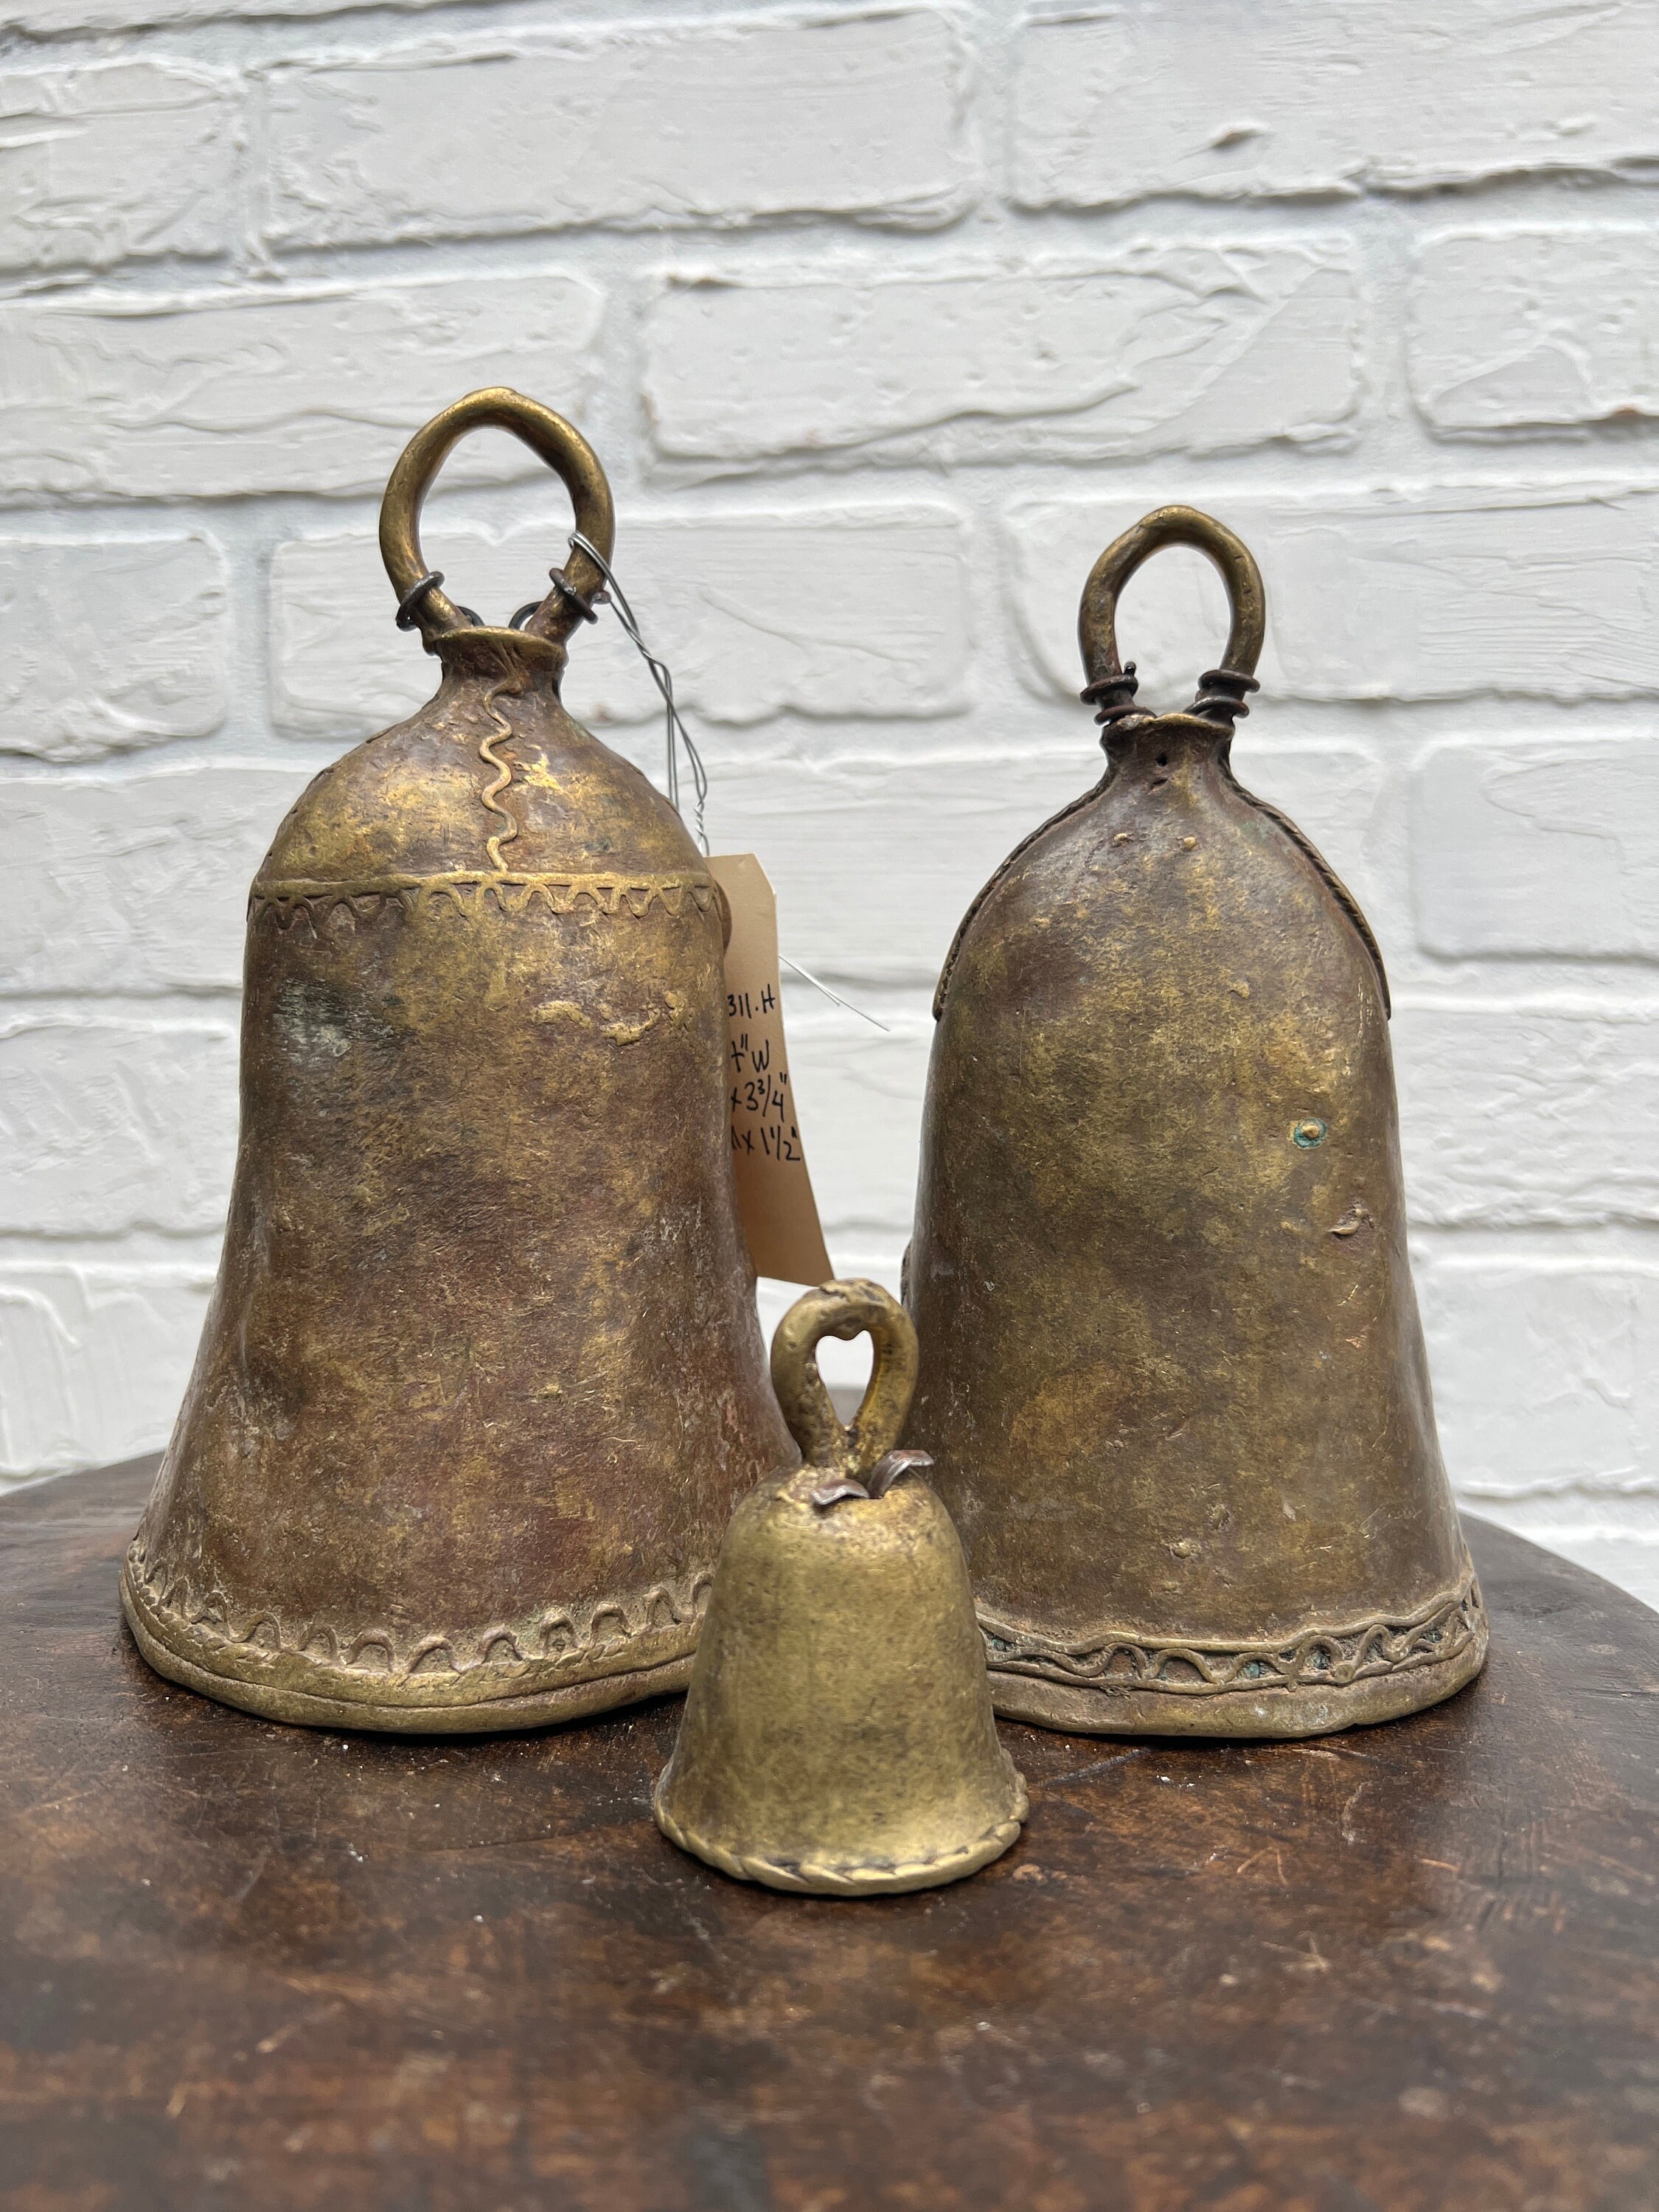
[[482, 1378], [838, 1734], [1172, 1373]]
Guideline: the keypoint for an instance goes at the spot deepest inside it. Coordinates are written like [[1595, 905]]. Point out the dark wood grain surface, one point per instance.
[[249, 1966]]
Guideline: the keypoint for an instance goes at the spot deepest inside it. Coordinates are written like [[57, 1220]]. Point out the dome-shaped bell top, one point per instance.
[[413, 803], [492, 775]]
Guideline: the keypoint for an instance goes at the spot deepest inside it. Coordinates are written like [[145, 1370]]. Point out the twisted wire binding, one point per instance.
[[407, 617], [675, 731]]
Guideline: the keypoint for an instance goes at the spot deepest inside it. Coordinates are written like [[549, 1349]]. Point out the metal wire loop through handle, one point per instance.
[[675, 731], [1112, 684]]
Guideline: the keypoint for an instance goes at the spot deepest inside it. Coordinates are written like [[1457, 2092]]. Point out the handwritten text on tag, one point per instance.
[[775, 1191]]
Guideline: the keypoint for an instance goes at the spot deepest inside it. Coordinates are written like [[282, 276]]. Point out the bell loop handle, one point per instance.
[[855, 1460], [421, 599], [1111, 685]]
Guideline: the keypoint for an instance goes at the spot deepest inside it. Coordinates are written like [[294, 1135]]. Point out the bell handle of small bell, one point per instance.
[[845, 1309], [567, 452], [1111, 686]]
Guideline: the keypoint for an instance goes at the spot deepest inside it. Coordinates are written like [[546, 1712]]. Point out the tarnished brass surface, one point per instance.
[[482, 1378], [838, 1734], [1172, 1374]]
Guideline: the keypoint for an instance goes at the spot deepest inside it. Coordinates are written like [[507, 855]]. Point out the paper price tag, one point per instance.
[[775, 1191]]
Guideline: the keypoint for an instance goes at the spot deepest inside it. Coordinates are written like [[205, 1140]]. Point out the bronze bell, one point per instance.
[[1172, 1372], [838, 1734], [482, 1378]]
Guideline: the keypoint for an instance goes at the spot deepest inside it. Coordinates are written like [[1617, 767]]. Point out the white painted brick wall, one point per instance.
[[1542, 1113], [1196, 345], [90, 1361], [218, 392], [1550, 1378], [115, 1122], [725, 122], [111, 643], [1260, 98], [125, 159], [884, 319], [1547, 1384], [1513, 329], [1579, 817], [54, 17], [90, 865]]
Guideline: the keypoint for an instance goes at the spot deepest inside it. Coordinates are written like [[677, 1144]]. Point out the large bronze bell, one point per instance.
[[483, 1378], [1172, 1374], [838, 1734]]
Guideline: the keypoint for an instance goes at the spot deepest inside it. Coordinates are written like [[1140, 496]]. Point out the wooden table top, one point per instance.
[[245, 1968]]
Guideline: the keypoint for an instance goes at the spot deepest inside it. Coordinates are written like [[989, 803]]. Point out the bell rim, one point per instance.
[[1283, 1714], [852, 1878], [1335, 1653], [184, 1655]]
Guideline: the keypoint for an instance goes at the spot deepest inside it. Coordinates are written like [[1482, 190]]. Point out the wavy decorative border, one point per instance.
[[373, 1660], [1316, 1658], [820, 1878], [471, 892]]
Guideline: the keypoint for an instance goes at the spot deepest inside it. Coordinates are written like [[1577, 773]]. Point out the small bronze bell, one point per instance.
[[1172, 1374], [838, 1734], [482, 1378]]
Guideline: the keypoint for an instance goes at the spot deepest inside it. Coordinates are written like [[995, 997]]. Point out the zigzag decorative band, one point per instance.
[[561, 1638], [1317, 1658], [470, 891]]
